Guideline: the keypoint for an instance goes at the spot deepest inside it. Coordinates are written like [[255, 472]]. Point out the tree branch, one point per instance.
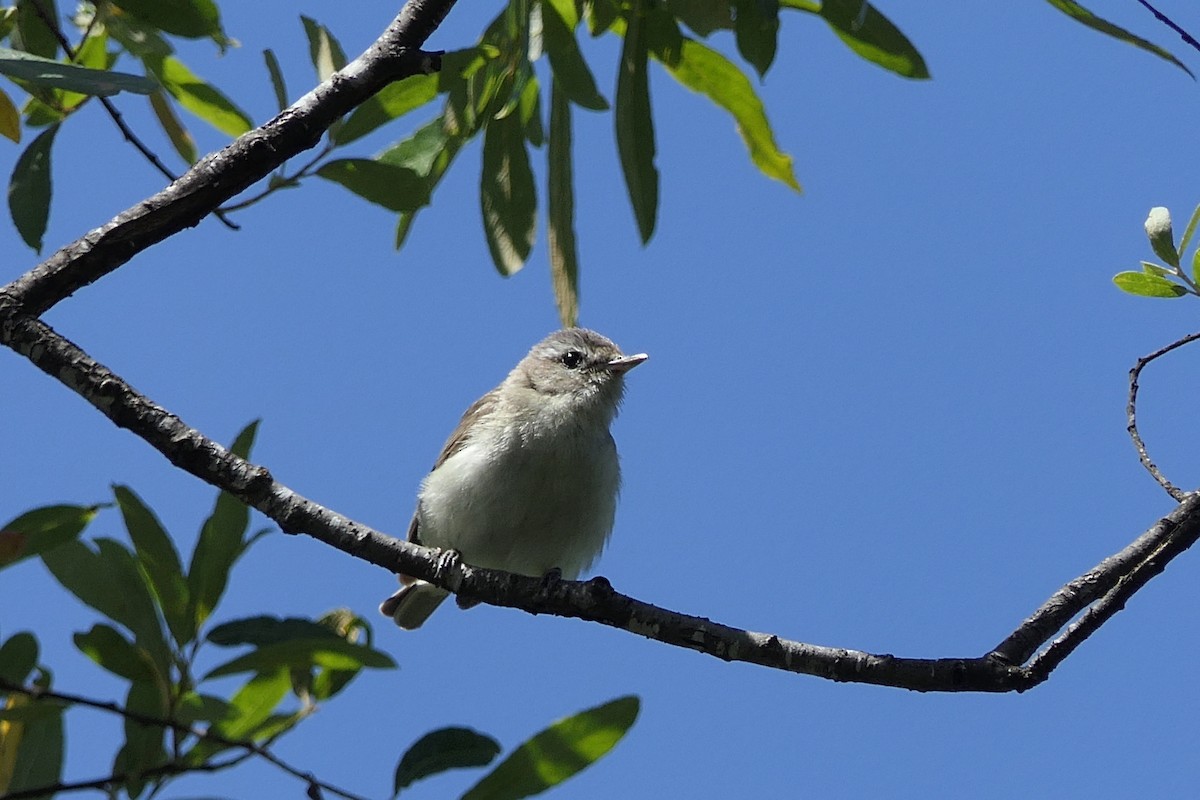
[[1104, 589], [222, 175], [1131, 414], [250, 748]]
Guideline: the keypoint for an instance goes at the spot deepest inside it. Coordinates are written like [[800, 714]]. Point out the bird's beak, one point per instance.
[[623, 364]]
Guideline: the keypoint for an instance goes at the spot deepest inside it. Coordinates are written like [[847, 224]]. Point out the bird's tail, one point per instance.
[[412, 604]]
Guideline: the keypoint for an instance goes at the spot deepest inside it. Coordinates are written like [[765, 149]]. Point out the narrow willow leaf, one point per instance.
[[1146, 285], [529, 107], [395, 188], [42, 529], [106, 646], [393, 101], [1189, 231], [262, 630], [108, 579], [29, 189], [276, 74], [558, 752], [323, 48], [757, 32], [250, 707], [221, 542], [869, 34], [635, 127], [159, 561], [442, 750], [191, 19], [1085, 17], [507, 194], [602, 14], [71, 77], [564, 259], [39, 744], [18, 657], [704, 70], [32, 34], [197, 96], [704, 17], [173, 127], [570, 70], [10, 118], [322, 651], [1154, 269], [143, 748]]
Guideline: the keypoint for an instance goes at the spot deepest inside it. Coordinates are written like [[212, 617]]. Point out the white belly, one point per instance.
[[527, 506]]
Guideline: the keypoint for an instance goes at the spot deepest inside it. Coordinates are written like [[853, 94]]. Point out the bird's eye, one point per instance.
[[572, 359]]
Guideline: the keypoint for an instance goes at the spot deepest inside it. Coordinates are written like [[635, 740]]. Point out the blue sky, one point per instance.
[[885, 415]]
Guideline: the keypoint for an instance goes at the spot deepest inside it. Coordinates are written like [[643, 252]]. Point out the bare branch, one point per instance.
[[1131, 414], [1108, 585], [251, 748]]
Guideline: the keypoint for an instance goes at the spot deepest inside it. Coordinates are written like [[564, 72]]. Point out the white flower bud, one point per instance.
[[1162, 238]]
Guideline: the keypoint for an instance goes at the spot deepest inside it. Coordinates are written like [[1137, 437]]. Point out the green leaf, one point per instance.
[[635, 127], [173, 127], [197, 96], [1189, 231], [564, 259], [108, 648], [191, 19], [529, 108], [558, 752], [507, 194], [71, 77], [32, 35], [42, 529], [193, 707], [264, 630], [220, 544], [704, 70], [109, 581], [29, 189], [393, 101], [602, 15], [1154, 269], [395, 188], [1085, 17], [322, 651], [10, 118], [323, 48], [420, 151], [18, 657], [143, 748], [704, 17], [249, 708], [1196, 266], [757, 30], [159, 560], [281, 95], [442, 750], [570, 70], [39, 756], [1146, 285], [869, 34]]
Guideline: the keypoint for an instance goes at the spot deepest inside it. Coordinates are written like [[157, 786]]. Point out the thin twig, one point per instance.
[[115, 779], [1165, 20], [108, 105], [1131, 414], [286, 179], [200, 733]]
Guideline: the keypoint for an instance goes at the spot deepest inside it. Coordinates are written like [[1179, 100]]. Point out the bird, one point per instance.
[[528, 481]]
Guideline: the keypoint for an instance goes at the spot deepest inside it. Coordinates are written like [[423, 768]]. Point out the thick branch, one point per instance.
[[221, 175], [1111, 582]]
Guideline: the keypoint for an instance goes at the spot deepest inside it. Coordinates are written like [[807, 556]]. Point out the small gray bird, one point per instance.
[[528, 481]]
